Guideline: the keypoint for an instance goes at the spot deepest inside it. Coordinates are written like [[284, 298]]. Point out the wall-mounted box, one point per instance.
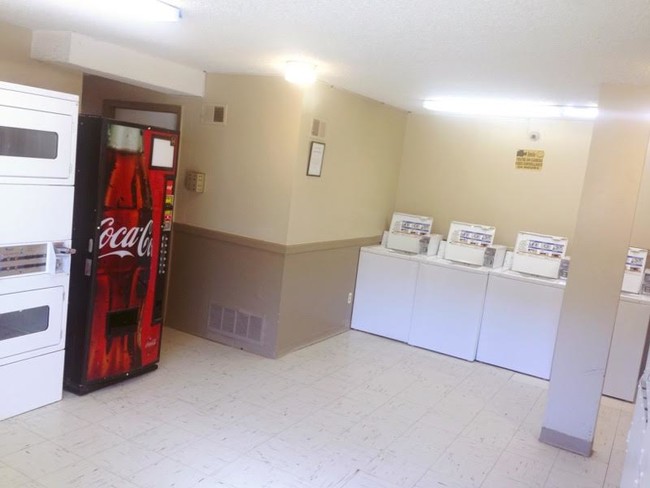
[[214, 114], [195, 181]]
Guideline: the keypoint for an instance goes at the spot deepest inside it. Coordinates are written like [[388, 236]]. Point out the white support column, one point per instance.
[[599, 249]]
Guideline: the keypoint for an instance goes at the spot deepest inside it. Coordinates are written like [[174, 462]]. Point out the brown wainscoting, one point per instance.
[[315, 288], [207, 270], [301, 291], [242, 241]]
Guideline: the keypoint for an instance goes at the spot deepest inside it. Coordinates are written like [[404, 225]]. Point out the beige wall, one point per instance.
[[98, 89], [354, 196], [257, 188], [16, 66], [248, 162], [462, 168], [255, 165]]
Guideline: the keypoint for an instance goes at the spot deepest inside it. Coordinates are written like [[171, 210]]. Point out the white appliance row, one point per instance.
[[37, 148], [425, 301], [496, 316]]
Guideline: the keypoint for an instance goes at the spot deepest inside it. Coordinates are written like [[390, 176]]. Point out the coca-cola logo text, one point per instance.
[[123, 241]]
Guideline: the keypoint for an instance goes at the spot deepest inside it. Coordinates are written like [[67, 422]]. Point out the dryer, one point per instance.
[[37, 148]]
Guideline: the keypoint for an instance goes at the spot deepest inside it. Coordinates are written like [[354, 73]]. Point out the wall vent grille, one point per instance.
[[233, 323], [214, 114], [318, 128]]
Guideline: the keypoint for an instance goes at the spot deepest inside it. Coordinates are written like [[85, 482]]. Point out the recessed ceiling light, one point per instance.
[[131, 10], [300, 72], [508, 108]]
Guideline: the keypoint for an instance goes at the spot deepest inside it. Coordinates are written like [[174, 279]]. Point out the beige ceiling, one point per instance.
[[398, 52]]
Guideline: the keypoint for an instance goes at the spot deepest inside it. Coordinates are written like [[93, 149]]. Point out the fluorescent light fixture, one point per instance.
[[299, 72], [131, 10], [580, 112], [508, 108]]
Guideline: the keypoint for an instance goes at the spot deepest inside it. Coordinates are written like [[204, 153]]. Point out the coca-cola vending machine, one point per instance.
[[123, 209]]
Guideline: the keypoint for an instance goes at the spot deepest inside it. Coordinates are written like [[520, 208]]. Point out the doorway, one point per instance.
[[153, 114]]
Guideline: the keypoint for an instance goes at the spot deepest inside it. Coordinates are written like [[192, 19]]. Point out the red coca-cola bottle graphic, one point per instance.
[[123, 257]]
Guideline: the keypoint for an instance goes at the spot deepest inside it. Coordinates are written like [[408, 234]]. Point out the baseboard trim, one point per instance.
[[287, 350], [273, 247], [564, 441]]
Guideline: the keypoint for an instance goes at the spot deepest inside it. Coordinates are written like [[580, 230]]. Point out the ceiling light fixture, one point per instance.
[[508, 108], [132, 10], [300, 72]]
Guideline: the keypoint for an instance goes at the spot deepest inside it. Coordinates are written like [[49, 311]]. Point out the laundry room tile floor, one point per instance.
[[354, 411]]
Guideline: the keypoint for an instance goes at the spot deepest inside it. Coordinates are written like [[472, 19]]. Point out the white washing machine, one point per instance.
[[628, 347], [384, 292], [448, 307], [520, 321]]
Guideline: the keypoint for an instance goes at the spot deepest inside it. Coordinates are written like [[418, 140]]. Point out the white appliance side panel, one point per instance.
[[384, 295], [36, 213], [519, 326], [31, 384], [626, 350], [447, 310]]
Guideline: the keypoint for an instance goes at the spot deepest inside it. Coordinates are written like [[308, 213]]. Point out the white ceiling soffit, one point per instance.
[[117, 62], [398, 52]]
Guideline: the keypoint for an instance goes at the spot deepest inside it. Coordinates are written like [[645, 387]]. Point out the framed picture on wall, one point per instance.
[[316, 154]]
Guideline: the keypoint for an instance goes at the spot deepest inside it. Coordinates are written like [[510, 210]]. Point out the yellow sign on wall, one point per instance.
[[529, 159]]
